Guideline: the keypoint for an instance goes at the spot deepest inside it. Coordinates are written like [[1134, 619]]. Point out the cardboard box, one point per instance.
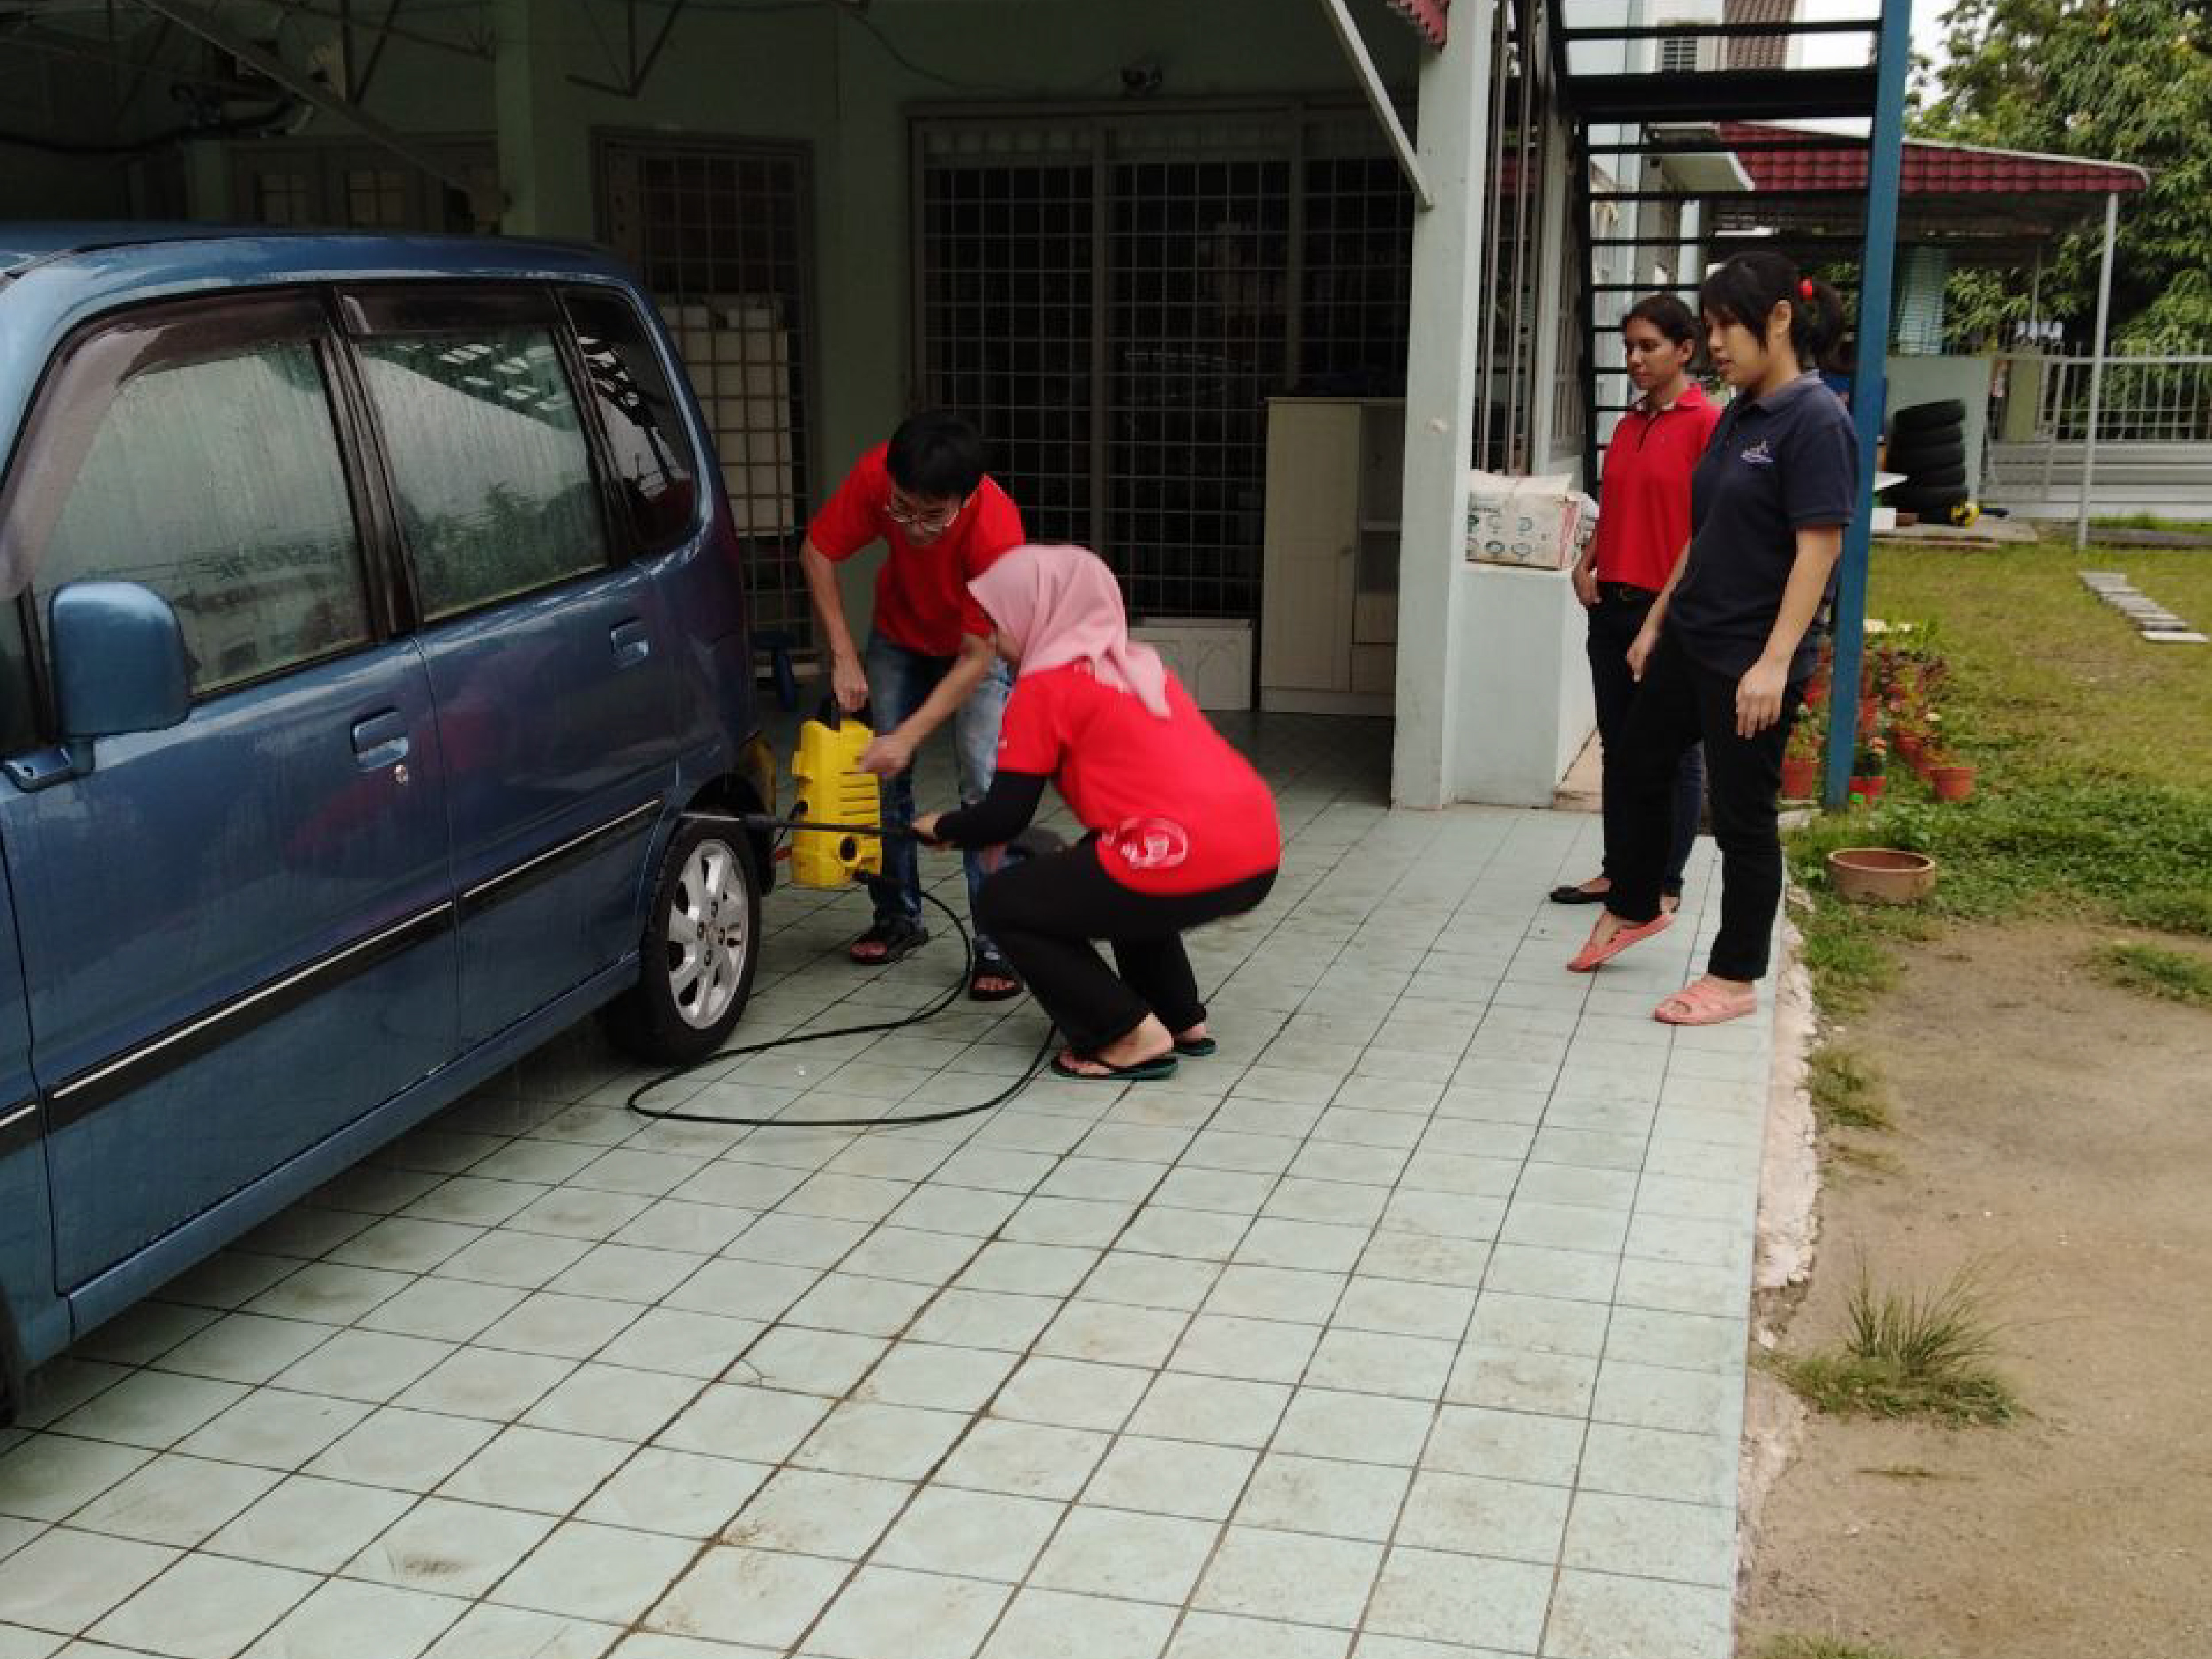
[[1212, 657], [1535, 523]]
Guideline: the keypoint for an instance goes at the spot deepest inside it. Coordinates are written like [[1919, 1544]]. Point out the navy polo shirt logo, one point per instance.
[[1759, 455]]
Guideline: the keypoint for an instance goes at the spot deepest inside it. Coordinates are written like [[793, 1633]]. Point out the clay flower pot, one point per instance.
[[1881, 875], [1951, 782], [1800, 779]]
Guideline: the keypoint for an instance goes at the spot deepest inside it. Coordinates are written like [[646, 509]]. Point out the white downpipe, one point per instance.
[[2097, 371]]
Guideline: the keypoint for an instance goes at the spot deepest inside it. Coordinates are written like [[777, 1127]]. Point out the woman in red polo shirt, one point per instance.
[[1642, 524], [1182, 831]]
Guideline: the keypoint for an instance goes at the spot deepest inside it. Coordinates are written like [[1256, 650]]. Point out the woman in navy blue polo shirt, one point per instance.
[[1725, 651]]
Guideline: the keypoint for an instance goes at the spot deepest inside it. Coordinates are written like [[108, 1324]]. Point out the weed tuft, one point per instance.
[[1820, 1647], [2155, 971], [1847, 1091], [1910, 1354]]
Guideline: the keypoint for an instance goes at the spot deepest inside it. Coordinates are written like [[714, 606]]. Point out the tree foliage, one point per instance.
[[2112, 80]]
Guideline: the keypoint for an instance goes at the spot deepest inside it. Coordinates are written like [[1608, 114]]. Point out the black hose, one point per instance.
[[951, 996]]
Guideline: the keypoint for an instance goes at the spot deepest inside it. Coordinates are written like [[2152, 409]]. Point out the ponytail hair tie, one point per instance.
[[1805, 288]]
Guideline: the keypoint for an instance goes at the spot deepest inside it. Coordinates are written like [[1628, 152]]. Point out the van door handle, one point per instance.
[[632, 643], [379, 739]]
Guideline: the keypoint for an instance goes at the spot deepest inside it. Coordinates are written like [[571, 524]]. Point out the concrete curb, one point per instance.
[[1787, 1235]]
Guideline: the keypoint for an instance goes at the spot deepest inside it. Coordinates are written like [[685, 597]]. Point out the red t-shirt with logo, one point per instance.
[[1176, 809], [1643, 506], [922, 600]]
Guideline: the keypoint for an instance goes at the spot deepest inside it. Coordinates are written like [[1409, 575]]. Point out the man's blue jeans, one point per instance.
[[899, 682]]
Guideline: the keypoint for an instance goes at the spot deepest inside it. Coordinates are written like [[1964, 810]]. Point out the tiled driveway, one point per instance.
[[1410, 1327]]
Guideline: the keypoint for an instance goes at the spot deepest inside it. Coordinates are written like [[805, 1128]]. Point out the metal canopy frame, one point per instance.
[[1378, 99], [201, 20], [1864, 217], [634, 69]]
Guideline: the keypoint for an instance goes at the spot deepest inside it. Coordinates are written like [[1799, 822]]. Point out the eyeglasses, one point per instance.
[[902, 512]]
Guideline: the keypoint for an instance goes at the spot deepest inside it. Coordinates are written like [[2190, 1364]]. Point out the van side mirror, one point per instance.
[[118, 659]]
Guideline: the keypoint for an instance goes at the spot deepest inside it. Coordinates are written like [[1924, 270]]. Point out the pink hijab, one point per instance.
[[1058, 605]]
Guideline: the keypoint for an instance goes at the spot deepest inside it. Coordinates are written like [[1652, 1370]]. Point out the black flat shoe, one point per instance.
[[994, 980], [887, 942], [1577, 896]]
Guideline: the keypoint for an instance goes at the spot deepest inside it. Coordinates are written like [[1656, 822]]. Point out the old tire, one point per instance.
[[1925, 455], [1928, 417], [700, 950], [1941, 477], [1928, 503]]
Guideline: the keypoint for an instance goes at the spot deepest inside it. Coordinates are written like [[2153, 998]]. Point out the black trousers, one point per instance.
[[1044, 912], [1615, 622], [1681, 702]]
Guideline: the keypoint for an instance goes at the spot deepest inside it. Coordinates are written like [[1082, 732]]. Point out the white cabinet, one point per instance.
[[1329, 611]]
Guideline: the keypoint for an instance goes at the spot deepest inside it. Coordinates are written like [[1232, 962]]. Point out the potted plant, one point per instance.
[[1951, 779], [1931, 744], [1870, 769], [1909, 734], [1800, 759]]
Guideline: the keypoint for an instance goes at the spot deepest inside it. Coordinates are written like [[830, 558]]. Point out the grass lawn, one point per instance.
[[2095, 750]]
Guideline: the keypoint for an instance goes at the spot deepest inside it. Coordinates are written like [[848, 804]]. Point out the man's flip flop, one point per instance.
[[1203, 1048], [1703, 1003], [1591, 955], [1145, 1071]]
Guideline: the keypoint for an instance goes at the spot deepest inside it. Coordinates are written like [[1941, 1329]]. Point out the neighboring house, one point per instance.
[[1760, 51]]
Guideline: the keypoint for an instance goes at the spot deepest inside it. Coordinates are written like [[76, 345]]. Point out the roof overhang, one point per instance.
[[1426, 15], [1984, 205]]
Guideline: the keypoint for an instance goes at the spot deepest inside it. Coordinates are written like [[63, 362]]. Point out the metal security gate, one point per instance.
[[1113, 298], [721, 231]]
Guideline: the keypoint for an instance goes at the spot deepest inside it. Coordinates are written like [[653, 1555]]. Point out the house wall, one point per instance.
[[847, 87]]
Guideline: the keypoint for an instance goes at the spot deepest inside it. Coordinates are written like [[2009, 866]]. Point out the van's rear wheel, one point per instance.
[[702, 948]]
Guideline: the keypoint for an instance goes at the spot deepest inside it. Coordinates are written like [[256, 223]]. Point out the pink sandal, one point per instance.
[[1703, 1002], [1593, 953]]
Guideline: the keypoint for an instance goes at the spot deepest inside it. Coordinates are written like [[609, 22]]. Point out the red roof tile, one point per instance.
[[1815, 162], [1759, 50]]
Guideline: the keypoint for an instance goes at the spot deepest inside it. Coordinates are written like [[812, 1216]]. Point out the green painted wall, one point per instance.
[[845, 86]]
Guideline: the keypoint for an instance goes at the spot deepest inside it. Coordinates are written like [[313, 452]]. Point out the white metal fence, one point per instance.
[[2163, 399], [2150, 450]]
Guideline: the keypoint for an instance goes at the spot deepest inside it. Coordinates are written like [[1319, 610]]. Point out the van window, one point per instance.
[[218, 483], [489, 462], [655, 470], [18, 707]]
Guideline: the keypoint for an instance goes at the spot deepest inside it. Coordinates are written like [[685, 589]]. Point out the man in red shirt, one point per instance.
[[930, 657], [1643, 525]]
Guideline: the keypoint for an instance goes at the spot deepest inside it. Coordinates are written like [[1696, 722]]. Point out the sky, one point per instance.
[[1926, 29]]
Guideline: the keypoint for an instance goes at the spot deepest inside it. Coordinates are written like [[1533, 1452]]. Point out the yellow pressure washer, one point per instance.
[[833, 791]]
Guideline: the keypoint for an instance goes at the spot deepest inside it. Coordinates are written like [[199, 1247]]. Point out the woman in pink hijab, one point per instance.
[[1182, 829]]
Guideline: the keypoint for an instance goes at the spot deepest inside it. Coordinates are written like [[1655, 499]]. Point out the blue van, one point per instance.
[[370, 614]]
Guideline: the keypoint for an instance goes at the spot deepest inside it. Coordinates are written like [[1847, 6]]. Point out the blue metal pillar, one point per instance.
[[1869, 382]]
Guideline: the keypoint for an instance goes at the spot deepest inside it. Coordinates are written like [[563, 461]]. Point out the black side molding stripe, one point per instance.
[[18, 1126], [226, 1022], [517, 878]]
